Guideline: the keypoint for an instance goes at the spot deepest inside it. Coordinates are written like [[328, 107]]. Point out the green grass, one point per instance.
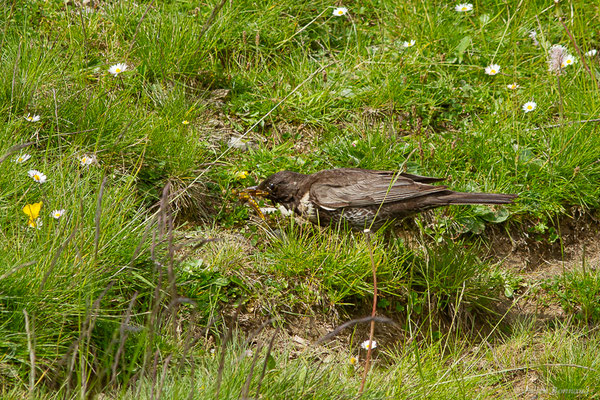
[[578, 292], [354, 97]]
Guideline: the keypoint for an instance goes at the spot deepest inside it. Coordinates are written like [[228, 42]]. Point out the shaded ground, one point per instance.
[[534, 259]]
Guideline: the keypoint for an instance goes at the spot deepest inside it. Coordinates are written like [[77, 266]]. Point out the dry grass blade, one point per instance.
[[163, 375], [211, 18], [55, 259], [583, 121], [156, 300], [228, 336], [511, 370], [56, 109], [83, 30], [168, 221], [14, 77], [16, 268], [31, 350], [373, 312], [15, 148], [123, 333], [138, 248], [579, 53], [246, 387], [266, 363], [86, 331], [6, 24], [189, 345], [153, 374], [97, 218], [137, 28]]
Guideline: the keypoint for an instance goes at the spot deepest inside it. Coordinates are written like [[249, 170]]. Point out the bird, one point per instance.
[[362, 198]]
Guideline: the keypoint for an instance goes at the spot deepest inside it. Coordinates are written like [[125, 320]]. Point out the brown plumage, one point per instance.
[[364, 198]]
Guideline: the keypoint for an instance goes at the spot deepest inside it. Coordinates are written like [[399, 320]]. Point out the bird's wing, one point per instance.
[[367, 189], [391, 174]]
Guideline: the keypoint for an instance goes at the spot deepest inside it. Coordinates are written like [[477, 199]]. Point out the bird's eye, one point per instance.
[[271, 186]]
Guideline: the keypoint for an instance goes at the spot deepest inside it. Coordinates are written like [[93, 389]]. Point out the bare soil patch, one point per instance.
[[535, 259]]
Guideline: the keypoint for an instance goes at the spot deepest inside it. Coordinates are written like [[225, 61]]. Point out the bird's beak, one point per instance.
[[255, 191]]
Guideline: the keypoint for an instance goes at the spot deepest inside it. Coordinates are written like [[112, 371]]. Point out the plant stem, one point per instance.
[[372, 331]]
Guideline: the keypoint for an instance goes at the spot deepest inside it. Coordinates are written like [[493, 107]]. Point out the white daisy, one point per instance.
[[464, 7], [409, 44], [37, 176], [493, 69], [568, 60], [32, 118], [86, 160], [591, 53], [22, 158], [529, 106], [353, 360], [56, 214], [117, 69], [365, 344], [338, 12], [513, 86], [185, 122]]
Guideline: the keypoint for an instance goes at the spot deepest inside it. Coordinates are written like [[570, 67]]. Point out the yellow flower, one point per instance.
[[241, 174], [33, 212]]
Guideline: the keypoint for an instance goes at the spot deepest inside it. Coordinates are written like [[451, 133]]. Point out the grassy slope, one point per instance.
[[429, 108]]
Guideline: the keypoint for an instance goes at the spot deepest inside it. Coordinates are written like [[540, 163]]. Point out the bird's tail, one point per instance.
[[477, 198]]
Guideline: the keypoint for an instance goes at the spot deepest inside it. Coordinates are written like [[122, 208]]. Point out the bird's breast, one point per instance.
[[306, 208]]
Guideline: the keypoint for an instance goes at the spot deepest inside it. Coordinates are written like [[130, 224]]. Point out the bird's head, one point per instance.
[[280, 187]]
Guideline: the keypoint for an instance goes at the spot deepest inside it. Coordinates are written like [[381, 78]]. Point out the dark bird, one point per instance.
[[363, 198]]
